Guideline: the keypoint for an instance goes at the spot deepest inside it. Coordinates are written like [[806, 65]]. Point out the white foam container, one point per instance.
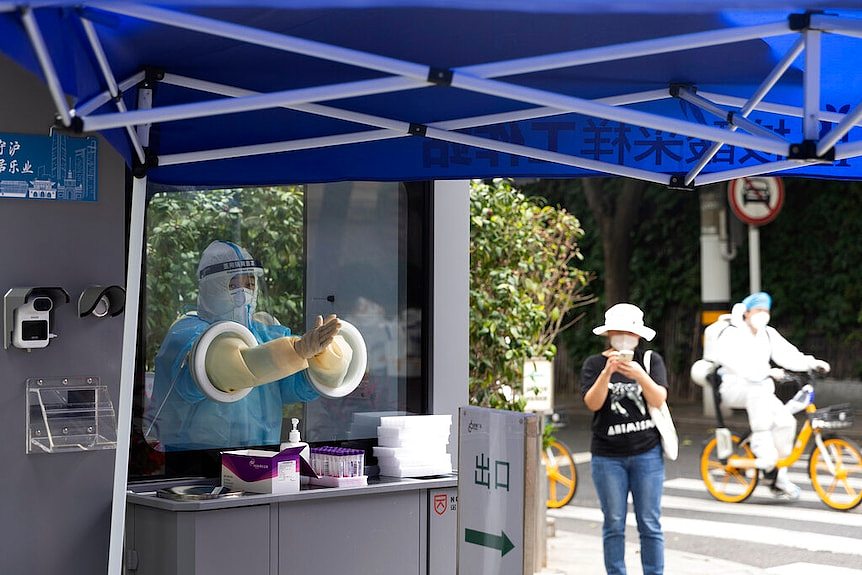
[[410, 452], [423, 461], [398, 437], [419, 422], [415, 470]]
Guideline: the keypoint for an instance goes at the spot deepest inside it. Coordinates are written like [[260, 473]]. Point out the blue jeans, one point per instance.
[[643, 476]]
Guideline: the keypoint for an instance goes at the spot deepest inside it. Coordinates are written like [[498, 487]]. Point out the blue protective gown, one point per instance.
[[190, 420]]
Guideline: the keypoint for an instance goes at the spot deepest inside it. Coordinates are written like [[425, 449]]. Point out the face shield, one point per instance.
[[230, 284]]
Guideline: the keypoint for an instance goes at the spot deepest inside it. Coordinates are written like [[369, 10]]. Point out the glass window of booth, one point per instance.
[[273, 259]]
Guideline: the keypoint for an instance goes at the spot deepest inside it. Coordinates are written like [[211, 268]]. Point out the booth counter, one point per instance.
[[391, 526]]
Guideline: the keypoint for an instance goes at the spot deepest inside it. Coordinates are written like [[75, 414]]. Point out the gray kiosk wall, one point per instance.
[[55, 514]]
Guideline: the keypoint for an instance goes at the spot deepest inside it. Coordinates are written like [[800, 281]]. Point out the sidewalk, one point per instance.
[[580, 554]]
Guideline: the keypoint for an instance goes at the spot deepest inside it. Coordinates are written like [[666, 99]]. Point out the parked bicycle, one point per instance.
[[561, 471], [834, 464]]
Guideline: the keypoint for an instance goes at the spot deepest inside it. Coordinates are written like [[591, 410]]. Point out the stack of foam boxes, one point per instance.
[[414, 445]]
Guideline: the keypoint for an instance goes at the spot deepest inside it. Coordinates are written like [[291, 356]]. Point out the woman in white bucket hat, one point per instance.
[[626, 447]]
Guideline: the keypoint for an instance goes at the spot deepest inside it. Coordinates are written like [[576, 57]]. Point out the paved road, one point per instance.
[[758, 536]]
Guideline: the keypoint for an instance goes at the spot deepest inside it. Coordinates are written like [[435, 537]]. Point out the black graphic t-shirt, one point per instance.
[[623, 426]]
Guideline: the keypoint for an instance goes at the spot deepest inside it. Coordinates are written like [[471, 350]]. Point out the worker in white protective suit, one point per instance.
[[744, 352], [231, 393]]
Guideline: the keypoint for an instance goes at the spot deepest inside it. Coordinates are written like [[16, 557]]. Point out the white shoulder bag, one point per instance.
[[663, 422]]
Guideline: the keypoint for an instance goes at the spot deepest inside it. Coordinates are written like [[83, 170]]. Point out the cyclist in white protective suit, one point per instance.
[[744, 352]]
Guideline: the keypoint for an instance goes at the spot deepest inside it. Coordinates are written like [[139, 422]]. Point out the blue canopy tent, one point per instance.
[[340, 89], [215, 92]]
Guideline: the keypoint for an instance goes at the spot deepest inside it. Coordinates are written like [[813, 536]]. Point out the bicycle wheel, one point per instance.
[[841, 487], [562, 475], [724, 482]]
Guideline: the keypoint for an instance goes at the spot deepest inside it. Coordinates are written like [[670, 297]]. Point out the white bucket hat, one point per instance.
[[625, 317]]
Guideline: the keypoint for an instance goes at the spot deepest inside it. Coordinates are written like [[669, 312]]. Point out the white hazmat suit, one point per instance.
[[744, 355]]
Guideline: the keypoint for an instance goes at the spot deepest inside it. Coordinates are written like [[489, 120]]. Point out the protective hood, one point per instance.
[[220, 262]]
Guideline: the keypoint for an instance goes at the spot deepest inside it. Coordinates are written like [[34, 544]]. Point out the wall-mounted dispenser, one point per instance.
[[101, 301], [28, 316]]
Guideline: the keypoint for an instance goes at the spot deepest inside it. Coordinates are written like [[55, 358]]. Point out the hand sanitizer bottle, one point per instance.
[[293, 440]]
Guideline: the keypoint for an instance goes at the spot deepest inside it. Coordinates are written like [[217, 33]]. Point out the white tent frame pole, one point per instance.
[[773, 108], [28, 19], [735, 120], [845, 26], [555, 157], [113, 89], [392, 128], [848, 150], [768, 168], [774, 76], [456, 124], [811, 85], [627, 50], [310, 108], [836, 133], [545, 111], [264, 38], [279, 147], [751, 104], [419, 72], [624, 115], [433, 131], [127, 369], [103, 98], [284, 98], [437, 134]]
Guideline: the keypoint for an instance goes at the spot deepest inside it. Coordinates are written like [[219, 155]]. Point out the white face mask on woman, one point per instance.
[[759, 320], [622, 341]]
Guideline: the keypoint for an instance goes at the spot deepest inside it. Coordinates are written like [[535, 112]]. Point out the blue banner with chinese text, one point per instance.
[[55, 167]]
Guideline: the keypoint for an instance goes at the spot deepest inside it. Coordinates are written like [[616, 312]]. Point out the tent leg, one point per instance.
[[130, 341], [127, 375]]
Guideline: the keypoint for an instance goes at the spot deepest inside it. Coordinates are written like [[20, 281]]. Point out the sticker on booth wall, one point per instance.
[[56, 167]]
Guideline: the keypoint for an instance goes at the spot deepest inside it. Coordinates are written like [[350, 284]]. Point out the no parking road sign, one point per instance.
[[757, 200]]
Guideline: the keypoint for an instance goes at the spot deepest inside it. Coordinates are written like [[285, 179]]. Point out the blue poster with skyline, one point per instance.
[[55, 167]]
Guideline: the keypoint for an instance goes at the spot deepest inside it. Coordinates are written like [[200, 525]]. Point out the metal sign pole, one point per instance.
[[754, 258]]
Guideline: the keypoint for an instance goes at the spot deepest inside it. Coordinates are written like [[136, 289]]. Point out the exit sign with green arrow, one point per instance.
[[499, 542]]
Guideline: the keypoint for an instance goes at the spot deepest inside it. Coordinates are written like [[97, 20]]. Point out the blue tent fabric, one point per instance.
[[446, 35]]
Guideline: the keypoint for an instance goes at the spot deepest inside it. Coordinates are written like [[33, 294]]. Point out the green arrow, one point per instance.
[[500, 542]]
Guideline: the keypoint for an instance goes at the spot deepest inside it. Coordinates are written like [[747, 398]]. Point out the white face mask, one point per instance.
[[623, 341], [759, 320]]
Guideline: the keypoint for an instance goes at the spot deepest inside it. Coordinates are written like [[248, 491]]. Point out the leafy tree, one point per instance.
[[524, 286], [268, 222], [658, 229], [615, 205]]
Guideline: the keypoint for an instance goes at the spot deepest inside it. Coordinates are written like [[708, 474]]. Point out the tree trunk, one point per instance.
[[615, 205]]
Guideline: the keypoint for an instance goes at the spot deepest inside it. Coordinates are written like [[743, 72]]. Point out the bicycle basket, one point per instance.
[[832, 417]]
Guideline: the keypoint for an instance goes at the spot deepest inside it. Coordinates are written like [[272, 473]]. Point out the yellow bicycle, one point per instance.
[[562, 474], [834, 466]]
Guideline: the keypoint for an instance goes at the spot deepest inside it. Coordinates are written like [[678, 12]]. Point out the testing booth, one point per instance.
[[170, 170]]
